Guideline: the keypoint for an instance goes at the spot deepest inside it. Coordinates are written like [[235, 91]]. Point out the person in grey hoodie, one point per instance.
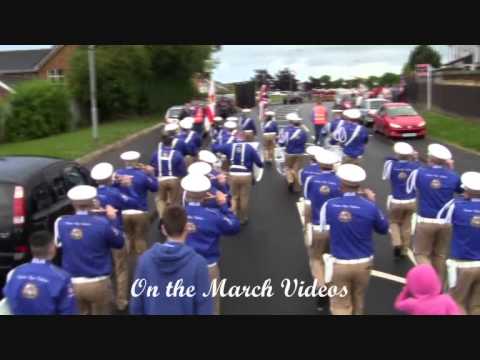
[[171, 278]]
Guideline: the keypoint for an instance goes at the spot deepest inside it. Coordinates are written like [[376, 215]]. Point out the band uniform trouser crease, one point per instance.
[[467, 291], [136, 229], [269, 146], [169, 193], [240, 186], [94, 298], [293, 163], [401, 215]]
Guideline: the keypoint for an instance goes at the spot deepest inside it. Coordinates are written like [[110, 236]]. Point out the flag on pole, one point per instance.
[[212, 100]]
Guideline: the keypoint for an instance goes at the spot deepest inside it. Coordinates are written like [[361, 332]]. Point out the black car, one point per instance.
[[33, 194]]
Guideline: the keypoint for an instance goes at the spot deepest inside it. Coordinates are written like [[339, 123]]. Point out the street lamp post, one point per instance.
[[93, 91]]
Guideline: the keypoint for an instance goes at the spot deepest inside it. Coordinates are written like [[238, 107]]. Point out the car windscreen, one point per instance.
[[375, 105], [401, 111], [174, 112], [6, 203]]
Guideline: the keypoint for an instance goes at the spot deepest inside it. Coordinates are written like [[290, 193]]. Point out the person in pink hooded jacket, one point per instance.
[[422, 294]]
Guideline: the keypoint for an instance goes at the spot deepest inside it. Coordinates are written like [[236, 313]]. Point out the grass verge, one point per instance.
[[79, 143], [454, 130]]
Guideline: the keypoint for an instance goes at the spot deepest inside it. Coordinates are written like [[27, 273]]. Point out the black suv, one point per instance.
[[33, 194]]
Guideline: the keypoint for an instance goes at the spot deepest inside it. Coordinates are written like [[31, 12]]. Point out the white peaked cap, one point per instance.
[[130, 156], [293, 117], [471, 181], [207, 156], [246, 111], [200, 168], [270, 113], [351, 173], [232, 118], [102, 171], [217, 118], [439, 151], [196, 183], [230, 125], [403, 148], [313, 150], [327, 157], [186, 123], [82, 193], [352, 114], [171, 127]]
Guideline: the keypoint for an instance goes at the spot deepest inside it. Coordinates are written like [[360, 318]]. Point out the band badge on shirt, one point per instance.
[[402, 175], [345, 217], [325, 190], [76, 234], [191, 227], [30, 291], [436, 184], [475, 222]]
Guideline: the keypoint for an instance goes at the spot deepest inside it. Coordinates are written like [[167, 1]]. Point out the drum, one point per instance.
[[280, 160]]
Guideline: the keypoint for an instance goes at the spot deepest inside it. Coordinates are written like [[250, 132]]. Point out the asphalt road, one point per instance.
[[271, 245]]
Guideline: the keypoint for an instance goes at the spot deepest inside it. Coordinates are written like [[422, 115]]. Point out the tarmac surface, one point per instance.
[[271, 245]]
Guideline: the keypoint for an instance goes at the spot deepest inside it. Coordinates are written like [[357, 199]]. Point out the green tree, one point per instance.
[[422, 54], [389, 79], [262, 77], [285, 80], [372, 81]]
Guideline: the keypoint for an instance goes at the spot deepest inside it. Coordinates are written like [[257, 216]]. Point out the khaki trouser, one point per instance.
[[240, 186], [431, 246], [94, 298], [401, 224], [355, 278], [169, 193], [349, 160], [120, 261], [249, 136], [315, 254], [467, 291], [269, 147], [225, 164], [214, 272], [293, 164], [136, 229]]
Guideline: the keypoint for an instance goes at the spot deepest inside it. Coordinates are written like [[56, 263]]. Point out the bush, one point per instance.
[[38, 109]]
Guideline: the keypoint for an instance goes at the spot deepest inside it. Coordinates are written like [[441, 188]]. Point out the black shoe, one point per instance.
[[323, 303], [397, 252]]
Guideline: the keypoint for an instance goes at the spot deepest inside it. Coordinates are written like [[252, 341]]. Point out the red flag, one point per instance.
[[212, 100]]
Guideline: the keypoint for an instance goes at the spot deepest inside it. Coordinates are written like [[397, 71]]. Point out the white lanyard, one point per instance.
[[169, 161], [354, 135], [267, 125], [242, 159], [295, 135], [189, 137]]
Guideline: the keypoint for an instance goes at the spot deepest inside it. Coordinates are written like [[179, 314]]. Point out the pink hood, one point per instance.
[[422, 294]]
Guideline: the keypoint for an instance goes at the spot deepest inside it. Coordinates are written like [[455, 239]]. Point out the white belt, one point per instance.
[[330, 261], [212, 265], [240, 174], [248, 131], [320, 228], [453, 265], [424, 220], [269, 133], [83, 280], [396, 201], [163, 178]]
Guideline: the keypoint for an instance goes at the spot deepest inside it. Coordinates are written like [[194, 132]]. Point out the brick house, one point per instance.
[[48, 64]]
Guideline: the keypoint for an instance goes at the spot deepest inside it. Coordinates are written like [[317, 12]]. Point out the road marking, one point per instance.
[[300, 212], [411, 256], [387, 276]]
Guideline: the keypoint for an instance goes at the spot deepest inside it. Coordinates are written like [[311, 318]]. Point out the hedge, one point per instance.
[[39, 108]]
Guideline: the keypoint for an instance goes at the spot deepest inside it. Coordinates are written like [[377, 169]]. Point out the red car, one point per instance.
[[399, 120]]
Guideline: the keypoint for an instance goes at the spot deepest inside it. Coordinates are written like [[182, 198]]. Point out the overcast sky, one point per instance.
[[238, 62]]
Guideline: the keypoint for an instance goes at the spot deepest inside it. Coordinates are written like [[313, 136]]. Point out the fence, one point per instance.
[[462, 100]]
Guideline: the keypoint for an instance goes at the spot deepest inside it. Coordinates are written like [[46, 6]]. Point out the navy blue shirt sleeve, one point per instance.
[[114, 237], [67, 303], [381, 224]]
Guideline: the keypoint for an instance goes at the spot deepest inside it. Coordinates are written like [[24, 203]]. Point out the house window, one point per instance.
[[56, 75]]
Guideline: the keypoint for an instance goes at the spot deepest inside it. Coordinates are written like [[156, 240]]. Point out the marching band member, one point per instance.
[[216, 176], [464, 266], [270, 134], [294, 139], [87, 241], [169, 168], [318, 189], [207, 225], [108, 195], [242, 156], [436, 185], [141, 182], [178, 143], [39, 287], [228, 137], [217, 128], [401, 205], [352, 136], [191, 139], [247, 125], [313, 168], [352, 220]]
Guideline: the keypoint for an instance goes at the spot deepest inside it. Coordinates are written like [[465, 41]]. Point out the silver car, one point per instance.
[[369, 108]]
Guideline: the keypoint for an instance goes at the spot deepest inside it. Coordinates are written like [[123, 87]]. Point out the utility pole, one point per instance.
[[93, 91], [429, 87]]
